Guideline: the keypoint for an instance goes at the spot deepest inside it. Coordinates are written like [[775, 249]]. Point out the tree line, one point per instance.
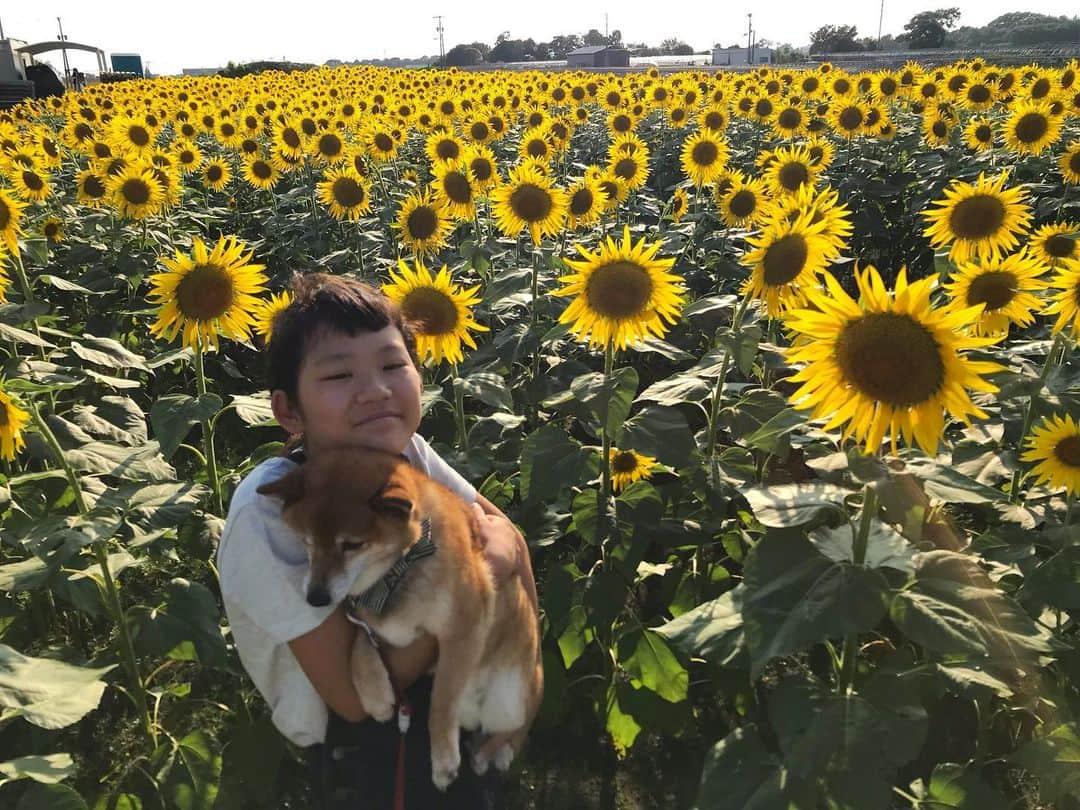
[[508, 49]]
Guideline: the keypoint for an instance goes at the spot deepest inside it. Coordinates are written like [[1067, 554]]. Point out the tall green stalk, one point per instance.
[[603, 496], [459, 410], [112, 593], [858, 553], [718, 394], [208, 434]]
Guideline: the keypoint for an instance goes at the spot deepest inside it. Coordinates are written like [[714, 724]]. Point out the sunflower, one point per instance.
[[623, 293], [791, 169], [289, 139], [443, 146], [586, 201], [207, 293], [1070, 163], [216, 174], [136, 192], [823, 207], [981, 220], [704, 156], [785, 261], [483, 167], [53, 229], [268, 313], [31, 184], [744, 203], [529, 200], [129, 134], [1031, 128], [329, 147], [12, 421], [260, 173], [632, 168], [790, 121], [1004, 287], [440, 311], [345, 193], [890, 365], [614, 189], [1066, 301], [1055, 444], [188, 156], [423, 224], [1056, 243], [628, 466], [979, 134], [91, 189], [848, 117], [453, 188], [678, 206], [936, 130]]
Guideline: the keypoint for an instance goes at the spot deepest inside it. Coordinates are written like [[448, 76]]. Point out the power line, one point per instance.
[[442, 45]]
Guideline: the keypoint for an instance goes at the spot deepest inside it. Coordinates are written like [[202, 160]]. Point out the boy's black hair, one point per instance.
[[322, 301]]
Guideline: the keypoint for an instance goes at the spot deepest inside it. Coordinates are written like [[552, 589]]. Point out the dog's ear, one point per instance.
[[289, 488], [392, 501]]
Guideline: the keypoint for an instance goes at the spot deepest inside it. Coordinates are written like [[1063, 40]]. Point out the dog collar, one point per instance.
[[374, 599]]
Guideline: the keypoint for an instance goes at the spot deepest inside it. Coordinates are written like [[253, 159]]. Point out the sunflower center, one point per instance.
[[138, 136], [704, 153], [479, 130], [785, 259], [793, 175], [481, 169], [83, 131], [939, 128], [432, 309], [205, 293], [620, 289], [1041, 88], [742, 203], [447, 149], [1031, 127], [582, 202], [291, 138], [890, 358], [33, 181], [983, 133], [537, 147], [979, 93], [995, 288], [851, 118], [423, 222], [51, 229], [1060, 246], [457, 187], [330, 144], [626, 168], [136, 191], [888, 86], [531, 202], [1074, 162], [763, 107], [348, 193], [261, 169], [977, 217], [1067, 451], [789, 118], [624, 462], [213, 174]]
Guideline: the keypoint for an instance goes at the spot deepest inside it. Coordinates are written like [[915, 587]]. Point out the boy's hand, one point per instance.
[[499, 539]]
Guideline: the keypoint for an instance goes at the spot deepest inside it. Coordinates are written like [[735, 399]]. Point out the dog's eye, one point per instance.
[[351, 545]]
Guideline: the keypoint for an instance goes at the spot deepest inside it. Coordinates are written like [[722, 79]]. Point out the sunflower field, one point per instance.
[[775, 370]]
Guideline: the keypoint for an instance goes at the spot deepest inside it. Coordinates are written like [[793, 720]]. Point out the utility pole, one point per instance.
[[442, 45], [749, 41], [63, 50], [881, 17], [605, 26], [2, 29]]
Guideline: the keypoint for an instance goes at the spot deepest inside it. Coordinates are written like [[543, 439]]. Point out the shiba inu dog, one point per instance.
[[410, 548]]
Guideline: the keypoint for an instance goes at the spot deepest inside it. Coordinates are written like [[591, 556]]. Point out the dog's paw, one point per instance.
[[480, 762], [445, 763], [504, 756], [375, 691]]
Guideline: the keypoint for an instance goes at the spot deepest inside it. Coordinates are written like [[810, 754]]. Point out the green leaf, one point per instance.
[[652, 664], [47, 693], [431, 397], [52, 797], [194, 785], [1055, 760], [954, 786], [604, 597], [27, 575], [16, 335], [676, 390], [103, 351], [173, 416], [660, 432], [954, 608], [609, 403], [186, 628], [549, 459], [772, 436], [585, 512], [740, 773], [253, 409], [794, 504], [742, 345], [48, 769], [133, 463], [123, 415], [796, 597], [713, 630], [885, 547], [487, 388], [949, 485], [620, 723], [574, 640]]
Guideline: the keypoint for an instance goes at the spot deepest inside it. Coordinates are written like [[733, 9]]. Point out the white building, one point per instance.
[[740, 56]]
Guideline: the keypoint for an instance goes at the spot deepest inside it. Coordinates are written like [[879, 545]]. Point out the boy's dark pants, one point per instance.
[[355, 768]]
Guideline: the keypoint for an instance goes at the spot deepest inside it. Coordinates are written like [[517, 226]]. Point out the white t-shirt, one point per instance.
[[261, 563]]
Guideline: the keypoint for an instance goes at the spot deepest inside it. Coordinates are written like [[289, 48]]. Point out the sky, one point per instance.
[[199, 33]]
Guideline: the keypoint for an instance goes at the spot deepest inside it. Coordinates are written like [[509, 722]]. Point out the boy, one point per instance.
[[342, 371]]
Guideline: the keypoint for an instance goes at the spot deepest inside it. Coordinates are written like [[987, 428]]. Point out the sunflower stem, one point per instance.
[[459, 410], [1029, 414], [858, 556], [208, 433], [534, 323], [718, 394], [604, 494], [111, 591]]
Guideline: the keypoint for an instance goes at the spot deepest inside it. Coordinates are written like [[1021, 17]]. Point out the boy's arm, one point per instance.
[[323, 654], [505, 548]]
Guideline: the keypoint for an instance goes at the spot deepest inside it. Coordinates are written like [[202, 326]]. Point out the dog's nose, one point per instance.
[[318, 596]]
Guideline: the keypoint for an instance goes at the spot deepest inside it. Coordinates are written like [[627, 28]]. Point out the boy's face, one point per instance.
[[362, 391]]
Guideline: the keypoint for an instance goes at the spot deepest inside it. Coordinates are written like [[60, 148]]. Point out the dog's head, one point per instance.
[[353, 507]]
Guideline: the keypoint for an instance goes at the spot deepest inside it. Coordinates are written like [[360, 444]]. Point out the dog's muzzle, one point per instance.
[[318, 596]]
